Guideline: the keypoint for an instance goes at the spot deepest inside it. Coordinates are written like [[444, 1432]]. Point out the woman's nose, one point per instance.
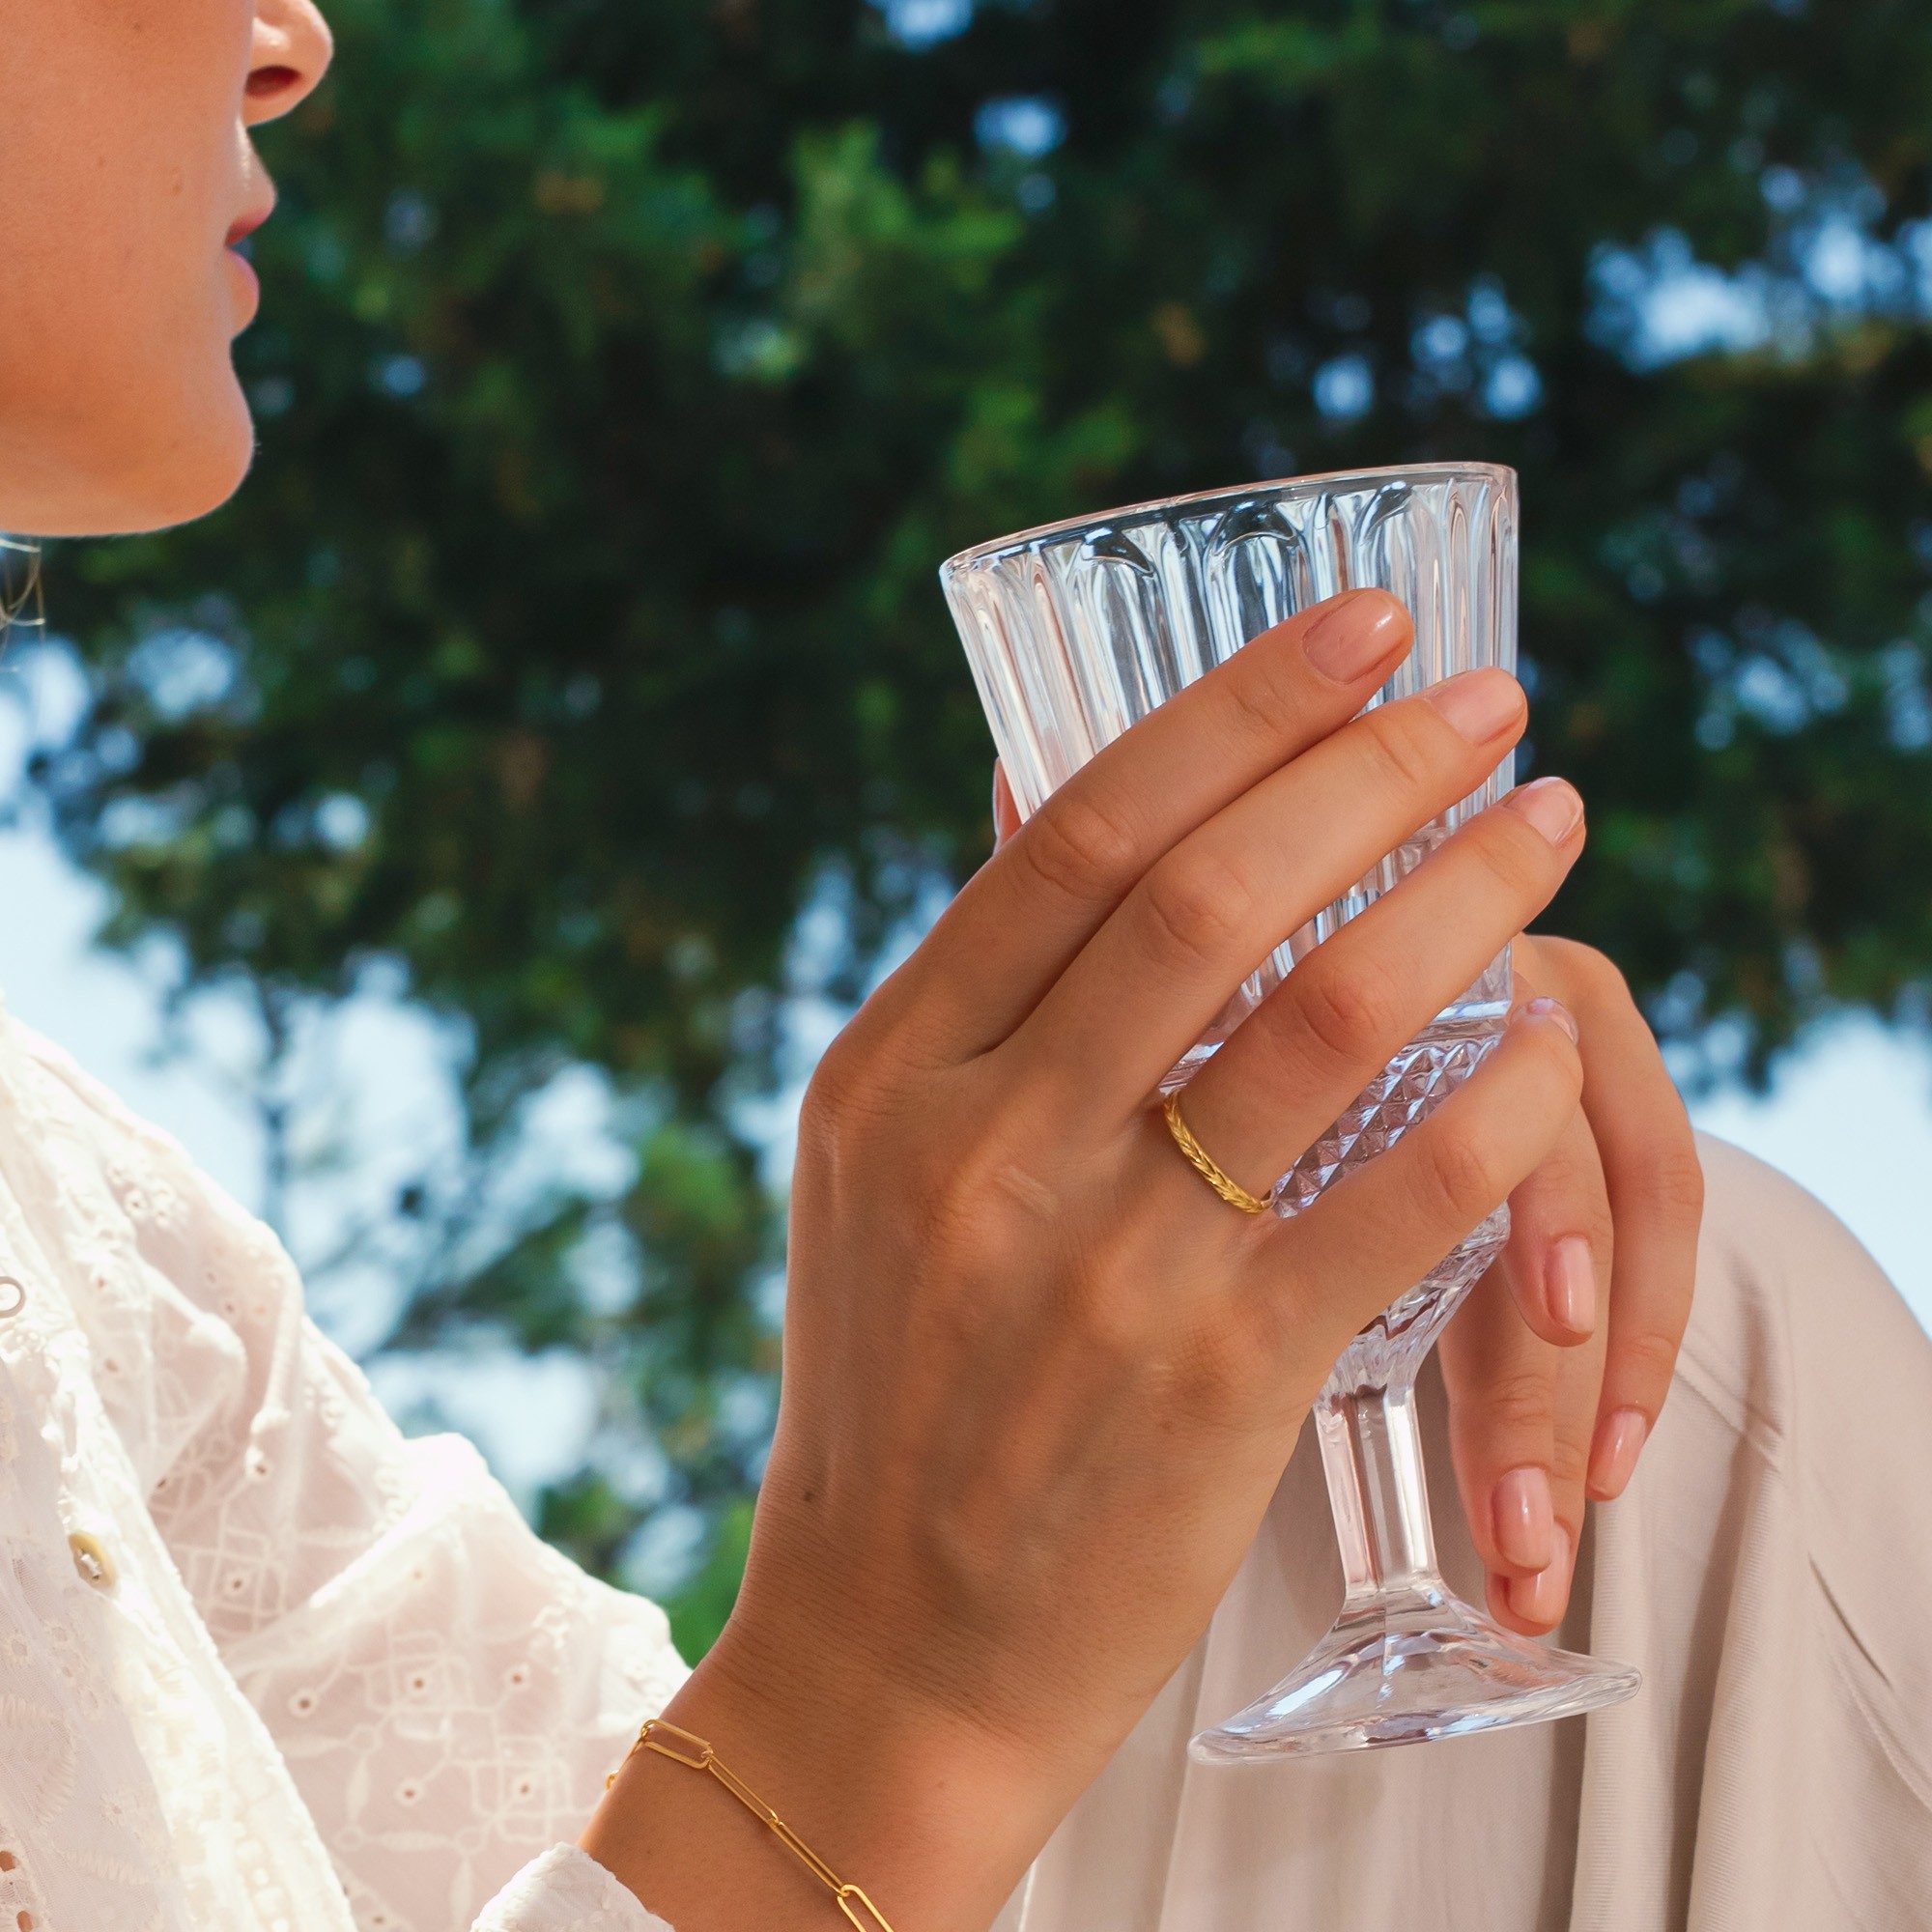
[[290, 53]]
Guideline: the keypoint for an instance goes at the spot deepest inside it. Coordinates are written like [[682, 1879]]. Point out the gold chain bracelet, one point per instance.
[[698, 1755]]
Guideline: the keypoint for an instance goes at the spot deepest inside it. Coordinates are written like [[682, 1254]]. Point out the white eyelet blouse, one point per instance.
[[265, 1666]]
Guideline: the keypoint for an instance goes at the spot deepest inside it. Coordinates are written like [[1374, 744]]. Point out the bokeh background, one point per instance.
[[467, 839]]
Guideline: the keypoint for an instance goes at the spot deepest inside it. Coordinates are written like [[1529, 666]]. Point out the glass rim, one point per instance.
[[1095, 520]]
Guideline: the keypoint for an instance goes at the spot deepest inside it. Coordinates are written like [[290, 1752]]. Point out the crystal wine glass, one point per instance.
[[1075, 632]]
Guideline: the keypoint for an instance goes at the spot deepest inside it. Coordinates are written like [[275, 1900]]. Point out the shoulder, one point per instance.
[[1823, 1373], [58, 1092], [1792, 1313], [1787, 1287], [187, 1309]]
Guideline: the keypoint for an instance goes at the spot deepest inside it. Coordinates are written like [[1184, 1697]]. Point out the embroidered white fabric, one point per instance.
[[308, 1676], [566, 1890]]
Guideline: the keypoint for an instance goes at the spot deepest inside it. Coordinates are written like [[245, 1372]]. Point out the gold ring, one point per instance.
[[1205, 1164]]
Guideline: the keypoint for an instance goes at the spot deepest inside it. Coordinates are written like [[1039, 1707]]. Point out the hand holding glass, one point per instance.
[[1076, 631]]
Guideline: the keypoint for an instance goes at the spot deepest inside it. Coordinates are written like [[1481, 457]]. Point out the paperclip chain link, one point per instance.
[[698, 1755]]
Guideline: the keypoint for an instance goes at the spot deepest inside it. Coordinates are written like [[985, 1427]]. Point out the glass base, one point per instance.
[[1413, 1667]]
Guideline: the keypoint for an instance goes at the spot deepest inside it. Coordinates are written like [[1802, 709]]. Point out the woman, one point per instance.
[[265, 1666]]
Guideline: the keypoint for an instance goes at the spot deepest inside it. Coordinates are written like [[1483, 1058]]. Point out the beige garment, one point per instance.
[[1771, 1571]]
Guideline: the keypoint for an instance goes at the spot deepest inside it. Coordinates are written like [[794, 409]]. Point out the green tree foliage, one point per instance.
[[626, 370]]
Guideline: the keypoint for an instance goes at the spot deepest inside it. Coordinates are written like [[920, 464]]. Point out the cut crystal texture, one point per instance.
[[1410, 1089], [1422, 1075]]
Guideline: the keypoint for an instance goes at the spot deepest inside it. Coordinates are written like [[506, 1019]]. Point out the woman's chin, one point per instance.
[[199, 480], [170, 473]]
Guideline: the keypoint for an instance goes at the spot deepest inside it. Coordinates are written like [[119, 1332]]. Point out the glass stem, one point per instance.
[[1372, 1454]]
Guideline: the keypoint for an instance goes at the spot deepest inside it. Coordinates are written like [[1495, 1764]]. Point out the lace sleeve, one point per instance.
[[566, 1890], [447, 1691]]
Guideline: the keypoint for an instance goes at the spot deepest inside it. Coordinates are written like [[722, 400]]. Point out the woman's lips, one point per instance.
[[248, 286], [247, 224]]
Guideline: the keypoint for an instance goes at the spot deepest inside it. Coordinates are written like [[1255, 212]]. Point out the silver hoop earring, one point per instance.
[[8, 1309]]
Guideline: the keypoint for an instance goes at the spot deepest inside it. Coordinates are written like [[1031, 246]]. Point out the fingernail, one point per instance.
[[1620, 1438], [1539, 1599], [1523, 1520], [1551, 804], [1570, 1285], [1481, 704], [1361, 630], [1543, 1008]]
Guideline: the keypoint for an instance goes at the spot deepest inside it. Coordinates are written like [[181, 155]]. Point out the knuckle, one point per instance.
[[1198, 905], [1599, 1227], [981, 1193], [1520, 859], [1077, 849], [958, 1238], [1568, 1463], [1457, 1175], [1647, 1359], [1405, 747], [831, 1092], [1591, 974], [1600, 973], [951, 1203], [1107, 1310], [1349, 1011], [857, 1098], [1564, 1195], [1674, 1179], [1515, 1404], [1262, 695]]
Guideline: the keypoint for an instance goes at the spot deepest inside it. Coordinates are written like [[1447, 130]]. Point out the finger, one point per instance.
[[1535, 1603], [1559, 1261], [1161, 968], [1655, 1187], [1012, 931], [1319, 1038], [1522, 1417], [1377, 1231], [1501, 1384]]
